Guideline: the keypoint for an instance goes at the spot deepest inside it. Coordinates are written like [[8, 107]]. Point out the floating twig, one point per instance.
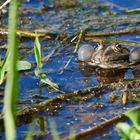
[[26, 114], [4, 4], [110, 40], [28, 33], [74, 38], [121, 32], [44, 34]]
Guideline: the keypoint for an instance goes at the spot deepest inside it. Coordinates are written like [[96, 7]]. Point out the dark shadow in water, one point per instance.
[[104, 76]]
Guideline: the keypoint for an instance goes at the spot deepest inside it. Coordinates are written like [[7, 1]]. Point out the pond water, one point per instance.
[[81, 112]]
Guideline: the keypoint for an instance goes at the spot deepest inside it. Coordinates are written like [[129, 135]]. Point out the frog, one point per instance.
[[109, 56]]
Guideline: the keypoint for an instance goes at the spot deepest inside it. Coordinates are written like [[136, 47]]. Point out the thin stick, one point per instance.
[[79, 40], [68, 62], [4, 4], [88, 34], [110, 40], [74, 38], [27, 33], [101, 34], [46, 58], [76, 48], [116, 6]]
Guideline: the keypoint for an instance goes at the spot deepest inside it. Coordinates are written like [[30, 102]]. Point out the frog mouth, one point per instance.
[[109, 60], [110, 64]]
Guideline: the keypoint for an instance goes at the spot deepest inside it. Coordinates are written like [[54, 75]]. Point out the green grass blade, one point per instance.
[[3, 69], [54, 132], [38, 72], [21, 65], [11, 85], [127, 132], [31, 130], [134, 116], [37, 51]]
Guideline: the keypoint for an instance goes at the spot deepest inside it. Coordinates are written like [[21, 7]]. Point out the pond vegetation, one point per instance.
[[46, 92]]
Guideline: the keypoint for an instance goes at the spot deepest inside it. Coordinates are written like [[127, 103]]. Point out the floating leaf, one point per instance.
[[21, 65], [24, 65]]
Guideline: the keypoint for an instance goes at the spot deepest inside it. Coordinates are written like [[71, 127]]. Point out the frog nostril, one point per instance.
[[85, 52], [135, 55]]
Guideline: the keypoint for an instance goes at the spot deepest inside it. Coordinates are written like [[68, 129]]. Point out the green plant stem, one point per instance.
[[11, 85]]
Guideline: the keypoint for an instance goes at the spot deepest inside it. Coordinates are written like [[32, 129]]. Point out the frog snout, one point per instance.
[[134, 55], [85, 52]]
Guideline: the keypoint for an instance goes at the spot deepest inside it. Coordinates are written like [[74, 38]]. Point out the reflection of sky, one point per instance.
[[130, 4]]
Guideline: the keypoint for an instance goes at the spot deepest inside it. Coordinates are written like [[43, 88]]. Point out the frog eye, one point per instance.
[[117, 47], [96, 46], [99, 46]]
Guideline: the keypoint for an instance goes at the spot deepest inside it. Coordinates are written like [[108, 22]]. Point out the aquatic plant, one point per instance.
[[54, 131], [21, 65], [12, 84], [129, 132], [38, 71]]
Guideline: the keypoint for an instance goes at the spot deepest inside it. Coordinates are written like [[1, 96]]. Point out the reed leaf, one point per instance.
[[37, 51], [38, 71], [12, 84]]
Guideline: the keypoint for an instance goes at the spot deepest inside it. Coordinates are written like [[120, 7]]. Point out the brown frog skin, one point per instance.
[[112, 56]]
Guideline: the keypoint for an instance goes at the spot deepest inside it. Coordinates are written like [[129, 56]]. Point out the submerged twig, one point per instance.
[[66, 65], [102, 126], [25, 115], [46, 58]]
